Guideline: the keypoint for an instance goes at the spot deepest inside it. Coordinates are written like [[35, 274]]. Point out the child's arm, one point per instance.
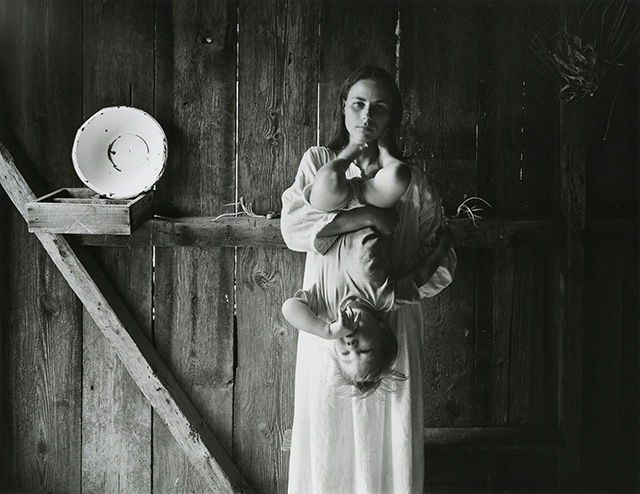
[[330, 189], [388, 185], [300, 316]]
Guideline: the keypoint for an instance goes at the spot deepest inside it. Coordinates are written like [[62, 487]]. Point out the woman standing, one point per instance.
[[347, 444]]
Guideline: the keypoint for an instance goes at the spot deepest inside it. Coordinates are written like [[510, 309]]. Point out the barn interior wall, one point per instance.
[[242, 88]]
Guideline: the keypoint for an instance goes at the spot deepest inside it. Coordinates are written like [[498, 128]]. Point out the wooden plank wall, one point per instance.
[[242, 89], [469, 126]]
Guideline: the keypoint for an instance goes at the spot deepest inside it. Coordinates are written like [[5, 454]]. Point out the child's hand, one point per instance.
[[352, 150], [343, 326], [445, 238]]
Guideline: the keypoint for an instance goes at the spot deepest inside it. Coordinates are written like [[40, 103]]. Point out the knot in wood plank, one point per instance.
[[49, 305]]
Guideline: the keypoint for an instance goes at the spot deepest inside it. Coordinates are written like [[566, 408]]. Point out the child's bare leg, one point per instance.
[[330, 190], [387, 186]]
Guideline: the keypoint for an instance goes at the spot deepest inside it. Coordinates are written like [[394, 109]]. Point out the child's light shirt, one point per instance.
[[357, 265]]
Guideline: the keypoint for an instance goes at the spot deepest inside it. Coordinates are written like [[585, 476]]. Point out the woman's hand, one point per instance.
[[445, 238], [383, 220], [343, 326], [424, 268]]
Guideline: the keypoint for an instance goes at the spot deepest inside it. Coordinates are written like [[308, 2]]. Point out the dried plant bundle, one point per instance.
[[576, 43]]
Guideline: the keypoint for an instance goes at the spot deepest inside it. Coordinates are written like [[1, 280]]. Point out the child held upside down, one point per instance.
[[354, 288]]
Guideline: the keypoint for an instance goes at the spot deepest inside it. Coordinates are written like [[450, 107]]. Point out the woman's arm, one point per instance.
[[300, 222], [437, 259], [300, 316]]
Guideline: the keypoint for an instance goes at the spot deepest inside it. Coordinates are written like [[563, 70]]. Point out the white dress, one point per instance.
[[344, 445]]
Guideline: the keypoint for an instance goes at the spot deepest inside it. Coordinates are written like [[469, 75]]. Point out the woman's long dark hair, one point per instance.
[[339, 134]]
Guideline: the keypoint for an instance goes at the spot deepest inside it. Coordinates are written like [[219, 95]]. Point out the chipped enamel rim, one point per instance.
[[120, 152]]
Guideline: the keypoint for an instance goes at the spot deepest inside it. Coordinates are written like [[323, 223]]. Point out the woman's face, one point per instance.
[[358, 352], [367, 110]]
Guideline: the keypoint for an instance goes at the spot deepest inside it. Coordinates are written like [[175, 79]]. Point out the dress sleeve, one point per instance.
[[300, 222], [405, 292], [430, 221], [309, 297]]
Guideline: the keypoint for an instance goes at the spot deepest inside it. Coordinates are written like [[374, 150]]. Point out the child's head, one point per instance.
[[366, 357], [381, 80]]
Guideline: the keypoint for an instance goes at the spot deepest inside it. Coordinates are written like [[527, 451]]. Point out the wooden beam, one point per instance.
[[197, 231], [135, 350], [252, 232], [493, 438]]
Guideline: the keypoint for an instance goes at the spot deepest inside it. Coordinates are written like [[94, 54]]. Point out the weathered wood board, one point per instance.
[[277, 104], [194, 288], [116, 425]]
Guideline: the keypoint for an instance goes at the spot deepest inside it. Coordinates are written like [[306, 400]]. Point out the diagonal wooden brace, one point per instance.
[[133, 347]]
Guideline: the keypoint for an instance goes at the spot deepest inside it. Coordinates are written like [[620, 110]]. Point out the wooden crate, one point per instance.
[[83, 211]]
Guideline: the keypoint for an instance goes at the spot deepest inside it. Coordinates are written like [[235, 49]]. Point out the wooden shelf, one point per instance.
[[262, 232]]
